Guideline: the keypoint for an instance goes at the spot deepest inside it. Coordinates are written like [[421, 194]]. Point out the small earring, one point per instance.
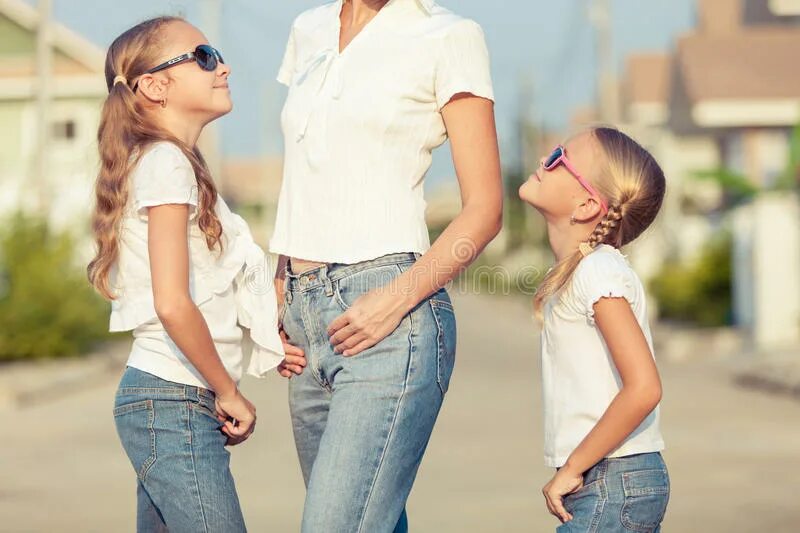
[[164, 103]]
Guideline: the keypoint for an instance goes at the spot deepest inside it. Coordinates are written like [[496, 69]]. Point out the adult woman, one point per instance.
[[374, 87]]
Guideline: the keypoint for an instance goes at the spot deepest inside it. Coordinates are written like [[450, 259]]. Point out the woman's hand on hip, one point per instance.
[[371, 318]]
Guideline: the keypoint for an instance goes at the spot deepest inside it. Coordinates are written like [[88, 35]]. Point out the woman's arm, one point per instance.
[[473, 139], [169, 267], [639, 395]]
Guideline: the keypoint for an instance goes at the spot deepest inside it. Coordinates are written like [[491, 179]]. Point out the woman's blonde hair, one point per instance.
[[632, 183], [125, 131]]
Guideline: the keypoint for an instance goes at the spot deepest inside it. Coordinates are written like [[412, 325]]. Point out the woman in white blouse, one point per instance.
[[374, 87]]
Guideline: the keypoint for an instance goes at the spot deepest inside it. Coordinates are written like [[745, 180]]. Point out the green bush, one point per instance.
[[47, 308], [700, 292]]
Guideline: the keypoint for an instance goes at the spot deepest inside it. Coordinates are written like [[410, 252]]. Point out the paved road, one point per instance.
[[734, 455]]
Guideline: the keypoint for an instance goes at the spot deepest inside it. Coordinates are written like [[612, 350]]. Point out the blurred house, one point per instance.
[[57, 182], [728, 98], [683, 226]]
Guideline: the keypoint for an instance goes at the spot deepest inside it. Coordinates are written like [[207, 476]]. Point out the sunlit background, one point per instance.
[[711, 87]]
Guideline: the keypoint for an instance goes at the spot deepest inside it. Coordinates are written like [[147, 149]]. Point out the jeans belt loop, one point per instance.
[[328, 283]]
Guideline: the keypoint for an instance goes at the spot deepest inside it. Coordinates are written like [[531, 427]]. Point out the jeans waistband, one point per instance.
[[329, 272], [137, 382]]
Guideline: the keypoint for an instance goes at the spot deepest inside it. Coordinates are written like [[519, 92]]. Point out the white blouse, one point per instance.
[[232, 290], [578, 374], [359, 126]]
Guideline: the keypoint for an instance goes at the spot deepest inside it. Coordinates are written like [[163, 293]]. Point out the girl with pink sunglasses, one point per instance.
[[601, 387]]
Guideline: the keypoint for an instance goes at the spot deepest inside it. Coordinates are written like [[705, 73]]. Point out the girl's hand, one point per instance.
[[295, 360], [371, 318], [563, 483], [237, 415]]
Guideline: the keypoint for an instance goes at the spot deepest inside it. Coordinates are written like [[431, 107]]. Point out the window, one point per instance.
[[64, 130]]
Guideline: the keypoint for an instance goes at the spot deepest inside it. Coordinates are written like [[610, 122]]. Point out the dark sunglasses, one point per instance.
[[206, 56]]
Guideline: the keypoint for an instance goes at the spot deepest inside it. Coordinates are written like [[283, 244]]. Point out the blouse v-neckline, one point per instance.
[[339, 49]]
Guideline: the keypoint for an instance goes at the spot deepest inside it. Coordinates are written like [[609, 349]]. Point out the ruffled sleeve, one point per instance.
[[249, 269], [164, 176], [463, 64], [603, 274], [257, 310]]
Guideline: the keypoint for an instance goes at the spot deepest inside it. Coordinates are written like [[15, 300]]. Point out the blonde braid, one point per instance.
[[605, 231]]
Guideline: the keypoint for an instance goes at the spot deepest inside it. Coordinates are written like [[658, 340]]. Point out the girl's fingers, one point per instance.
[[294, 369], [291, 349], [236, 431], [558, 505]]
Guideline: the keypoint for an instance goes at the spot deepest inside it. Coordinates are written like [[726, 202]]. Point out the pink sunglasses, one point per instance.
[[559, 156]]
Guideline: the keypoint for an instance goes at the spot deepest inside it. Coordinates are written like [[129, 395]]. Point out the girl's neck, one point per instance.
[[187, 131], [565, 238]]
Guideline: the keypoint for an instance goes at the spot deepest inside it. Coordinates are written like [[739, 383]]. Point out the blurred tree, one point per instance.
[[47, 308], [698, 292]]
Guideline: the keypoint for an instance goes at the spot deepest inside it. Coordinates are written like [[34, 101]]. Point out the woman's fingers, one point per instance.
[[360, 347], [351, 343], [342, 335], [338, 323]]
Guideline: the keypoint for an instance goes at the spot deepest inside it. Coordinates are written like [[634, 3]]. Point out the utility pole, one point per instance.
[[607, 90], [209, 141], [43, 96]]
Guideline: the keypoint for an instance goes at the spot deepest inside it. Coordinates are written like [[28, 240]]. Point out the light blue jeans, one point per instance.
[[620, 495], [361, 423], [173, 440]]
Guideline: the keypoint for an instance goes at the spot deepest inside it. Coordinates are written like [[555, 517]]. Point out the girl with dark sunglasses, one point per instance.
[[176, 265], [601, 387]]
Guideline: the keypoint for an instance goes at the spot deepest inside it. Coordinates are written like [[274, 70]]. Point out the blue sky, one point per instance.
[[549, 43]]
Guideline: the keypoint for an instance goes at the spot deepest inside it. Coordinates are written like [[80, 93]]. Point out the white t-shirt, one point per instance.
[[359, 126], [231, 290], [579, 376]]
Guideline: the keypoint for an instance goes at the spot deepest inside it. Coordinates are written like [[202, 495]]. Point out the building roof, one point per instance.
[[754, 63], [647, 78], [77, 64]]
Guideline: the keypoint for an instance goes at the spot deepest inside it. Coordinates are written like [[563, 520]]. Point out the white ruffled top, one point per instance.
[[233, 290]]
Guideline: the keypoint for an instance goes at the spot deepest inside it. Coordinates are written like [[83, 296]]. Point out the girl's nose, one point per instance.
[[223, 70]]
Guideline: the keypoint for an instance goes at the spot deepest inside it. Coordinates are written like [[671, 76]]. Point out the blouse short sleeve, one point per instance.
[[602, 275], [164, 176], [286, 71], [463, 65]]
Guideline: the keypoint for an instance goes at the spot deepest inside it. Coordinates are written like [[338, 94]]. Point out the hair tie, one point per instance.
[[120, 79], [585, 248]]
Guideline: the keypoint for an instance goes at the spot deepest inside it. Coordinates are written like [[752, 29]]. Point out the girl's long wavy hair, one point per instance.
[[633, 184], [126, 130]]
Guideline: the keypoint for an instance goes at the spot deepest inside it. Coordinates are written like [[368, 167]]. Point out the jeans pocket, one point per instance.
[[134, 422], [348, 289], [445, 318], [585, 504], [646, 498]]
